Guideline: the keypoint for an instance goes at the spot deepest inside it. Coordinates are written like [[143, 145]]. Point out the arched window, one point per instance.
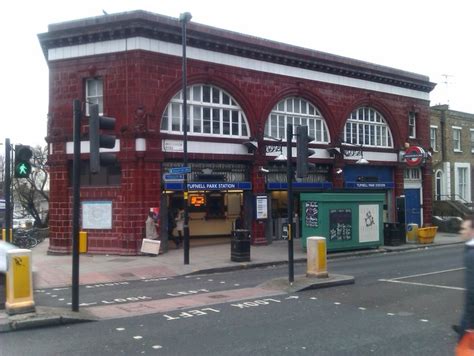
[[366, 126], [210, 112], [296, 111]]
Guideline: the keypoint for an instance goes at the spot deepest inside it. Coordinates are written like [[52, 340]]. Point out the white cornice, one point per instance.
[[157, 46]]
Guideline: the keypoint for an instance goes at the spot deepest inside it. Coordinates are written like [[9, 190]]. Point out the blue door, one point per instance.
[[412, 206]]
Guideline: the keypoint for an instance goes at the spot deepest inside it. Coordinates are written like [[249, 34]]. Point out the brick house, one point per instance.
[[240, 89], [452, 141]]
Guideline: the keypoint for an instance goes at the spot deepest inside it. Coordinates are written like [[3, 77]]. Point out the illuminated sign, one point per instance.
[[197, 200]]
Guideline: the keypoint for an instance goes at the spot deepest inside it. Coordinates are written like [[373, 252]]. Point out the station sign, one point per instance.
[[173, 176], [414, 156], [180, 170]]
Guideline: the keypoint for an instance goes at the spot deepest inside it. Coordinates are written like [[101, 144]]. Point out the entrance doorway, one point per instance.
[[412, 206]]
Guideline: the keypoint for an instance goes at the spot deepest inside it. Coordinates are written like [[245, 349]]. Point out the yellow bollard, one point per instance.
[[19, 282], [82, 242], [4, 232], [316, 257]]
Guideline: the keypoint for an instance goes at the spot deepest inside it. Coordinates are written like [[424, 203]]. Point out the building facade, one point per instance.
[[452, 142], [242, 93]]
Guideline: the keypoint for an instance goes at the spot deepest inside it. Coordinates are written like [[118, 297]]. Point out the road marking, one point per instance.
[[424, 320], [421, 284], [191, 313], [138, 337], [256, 303], [362, 308], [120, 329], [179, 294], [292, 297], [156, 347], [156, 279], [112, 284], [428, 274]]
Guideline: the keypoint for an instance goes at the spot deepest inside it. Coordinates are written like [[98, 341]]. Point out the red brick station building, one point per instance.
[[241, 89]]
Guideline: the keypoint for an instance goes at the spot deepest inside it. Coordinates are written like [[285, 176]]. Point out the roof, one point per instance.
[[168, 29]]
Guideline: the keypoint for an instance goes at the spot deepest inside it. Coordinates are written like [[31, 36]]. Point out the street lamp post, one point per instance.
[[184, 18], [289, 175], [7, 192]]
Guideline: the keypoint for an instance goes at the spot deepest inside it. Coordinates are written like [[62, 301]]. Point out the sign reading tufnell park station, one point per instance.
[[209, 185]]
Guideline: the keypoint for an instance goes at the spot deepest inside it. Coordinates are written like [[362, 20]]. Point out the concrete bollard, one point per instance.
[[316, 257], [19, 298]]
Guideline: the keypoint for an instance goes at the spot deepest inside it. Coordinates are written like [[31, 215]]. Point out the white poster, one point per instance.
[[369, 228], [97, 215], [262, 207]]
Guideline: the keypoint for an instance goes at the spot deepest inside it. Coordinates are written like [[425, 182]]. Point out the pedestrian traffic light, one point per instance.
[[23, 155], [302, 151], [98, 140]]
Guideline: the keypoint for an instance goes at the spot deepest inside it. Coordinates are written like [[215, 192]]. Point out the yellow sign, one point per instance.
[[21, 276]]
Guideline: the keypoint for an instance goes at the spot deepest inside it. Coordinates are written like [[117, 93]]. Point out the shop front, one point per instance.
[[217, 194], [277, 188]]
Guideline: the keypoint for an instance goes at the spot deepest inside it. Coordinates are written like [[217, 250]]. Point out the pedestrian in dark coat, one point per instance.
[[467, 320]]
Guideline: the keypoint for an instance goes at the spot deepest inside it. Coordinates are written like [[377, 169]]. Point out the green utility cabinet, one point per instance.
[[348, 221]]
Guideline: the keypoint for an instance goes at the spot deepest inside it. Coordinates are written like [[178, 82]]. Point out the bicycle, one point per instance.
[[23, 239]]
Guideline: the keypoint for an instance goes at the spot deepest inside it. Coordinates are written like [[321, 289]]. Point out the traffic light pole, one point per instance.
[[77, 115], [7, 191], [289, 178]]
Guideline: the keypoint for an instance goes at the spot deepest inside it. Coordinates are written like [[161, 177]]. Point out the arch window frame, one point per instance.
[[211, 111], [367, 127], [299, 112]]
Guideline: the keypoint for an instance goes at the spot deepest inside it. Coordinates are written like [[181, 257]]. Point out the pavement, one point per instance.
[[53, 271]]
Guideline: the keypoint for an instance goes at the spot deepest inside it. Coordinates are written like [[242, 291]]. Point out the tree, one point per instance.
[[32, 193]]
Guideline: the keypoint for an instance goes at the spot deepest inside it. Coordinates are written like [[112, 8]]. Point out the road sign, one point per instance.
[[180, 170], [173, 176]]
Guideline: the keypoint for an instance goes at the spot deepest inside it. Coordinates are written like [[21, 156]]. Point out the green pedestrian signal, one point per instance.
[[23, 155]]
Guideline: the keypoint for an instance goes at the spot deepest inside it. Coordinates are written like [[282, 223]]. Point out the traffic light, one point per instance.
[[98, 140], [302, 151], [23, 155]]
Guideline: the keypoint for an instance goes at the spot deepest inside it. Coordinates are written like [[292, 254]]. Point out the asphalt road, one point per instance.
[[401, 304]]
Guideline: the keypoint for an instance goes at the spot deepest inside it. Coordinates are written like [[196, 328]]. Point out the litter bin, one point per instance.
[[393, 234], [240, 246]]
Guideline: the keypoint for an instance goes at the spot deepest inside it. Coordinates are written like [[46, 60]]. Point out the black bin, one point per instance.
[[240, 246], [393, 234]]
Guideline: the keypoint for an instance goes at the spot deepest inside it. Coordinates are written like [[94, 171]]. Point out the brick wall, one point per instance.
[[139, 81]]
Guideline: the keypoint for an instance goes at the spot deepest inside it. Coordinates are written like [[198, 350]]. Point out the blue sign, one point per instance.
[[210, 186], [370, 185], [180, 170], [171, 176]]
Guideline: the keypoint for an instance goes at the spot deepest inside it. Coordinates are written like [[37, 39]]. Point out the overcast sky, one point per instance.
[[432, 38]]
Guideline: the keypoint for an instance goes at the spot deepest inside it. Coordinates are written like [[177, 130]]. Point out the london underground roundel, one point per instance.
[[414, 156]]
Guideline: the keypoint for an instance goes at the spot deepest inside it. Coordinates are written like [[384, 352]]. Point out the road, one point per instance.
[[401, 304]]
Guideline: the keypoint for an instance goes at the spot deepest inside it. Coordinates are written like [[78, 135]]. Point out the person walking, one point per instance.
[[150, 227], [467, 320], [180, 226]]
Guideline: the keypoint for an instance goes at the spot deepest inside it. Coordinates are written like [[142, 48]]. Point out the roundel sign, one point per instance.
[[414, 156]]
